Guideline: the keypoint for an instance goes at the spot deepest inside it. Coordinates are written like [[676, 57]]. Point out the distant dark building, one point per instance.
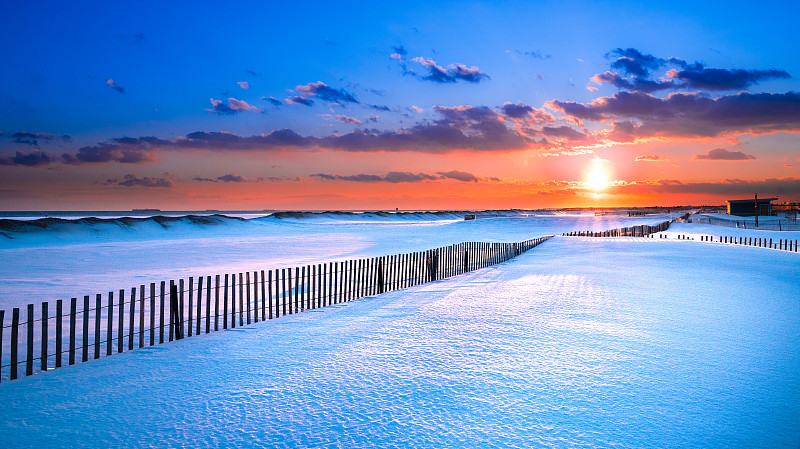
[[747, 208]]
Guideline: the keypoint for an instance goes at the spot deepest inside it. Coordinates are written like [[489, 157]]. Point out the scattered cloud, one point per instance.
[[272, 101], [253, 73], [232, 106], [33, 139], [326, 93], [721, 154], [380, 107], [348, 120], [110, 83], [649, 158], [698, 76], [32, 159], [450, 74], [243, 84], [769, 186], [165, 181], [297, 99], [536, 54], [398, 177], [636, 115]]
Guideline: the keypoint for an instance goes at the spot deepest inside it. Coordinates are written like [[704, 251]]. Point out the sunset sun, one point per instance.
[[598, 175]]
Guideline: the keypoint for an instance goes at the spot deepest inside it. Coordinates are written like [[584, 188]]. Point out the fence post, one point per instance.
[[85, 352], [14, 342], [72, 306], [121, 323], [98, 305], [2, 317], [45, 318], [58, 332], [29, 355]]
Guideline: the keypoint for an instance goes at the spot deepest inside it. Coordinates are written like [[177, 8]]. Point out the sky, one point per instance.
[[409, 105]]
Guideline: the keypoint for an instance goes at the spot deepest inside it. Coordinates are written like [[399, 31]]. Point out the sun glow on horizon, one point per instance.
[[598, 176]]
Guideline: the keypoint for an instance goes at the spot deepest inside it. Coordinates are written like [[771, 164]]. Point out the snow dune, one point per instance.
[[623, 342]]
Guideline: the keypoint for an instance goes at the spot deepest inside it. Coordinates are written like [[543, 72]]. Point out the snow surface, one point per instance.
[[74, 259], [580, 342]]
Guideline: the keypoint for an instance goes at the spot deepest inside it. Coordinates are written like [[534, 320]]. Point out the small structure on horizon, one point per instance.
[[747, 208]]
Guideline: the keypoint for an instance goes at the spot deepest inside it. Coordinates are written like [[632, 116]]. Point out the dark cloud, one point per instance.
[[699, 77], [380, 107], [563, 131], [232, 178], [232, 106], [33, 139], [400, 51], [770, 186], [398, 177], [451, 74], [721, 154], [458, 176], [273, 101], [461, 127], [326, 93], [519, 110], [166, 181], [110, 83], [252, 73], [348, 120], [689, 115], [536, 54], [635, 62], [112, 152], [633, 83], [297, 99], [32, 159]]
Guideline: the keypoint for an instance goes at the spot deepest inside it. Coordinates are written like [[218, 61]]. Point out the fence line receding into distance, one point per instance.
[[83, 330]]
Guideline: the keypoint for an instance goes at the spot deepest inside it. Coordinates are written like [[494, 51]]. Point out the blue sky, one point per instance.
[[96, 72]]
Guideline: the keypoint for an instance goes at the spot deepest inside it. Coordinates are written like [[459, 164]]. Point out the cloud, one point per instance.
[[536, 54], [399, 52], [632, 83], [233, 106], [417, 109], [640, 115], [635, 62], [33, 139], [395, 177], [326, 93], [297, 99], [232, 178], [125, 150], [110, 83], [769, 186], [649, 158], [32, 159], [721, 154], [451, 74], [243, 84], [348, 120], [380, 107], [700, 77], [519, 110], [252, 73], [273, 101], [459, 176], [165, 181]]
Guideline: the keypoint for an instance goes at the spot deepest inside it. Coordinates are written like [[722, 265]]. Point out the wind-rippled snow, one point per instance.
[[580, 342]]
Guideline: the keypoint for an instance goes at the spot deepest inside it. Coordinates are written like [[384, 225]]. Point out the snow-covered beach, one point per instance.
[[599, 342]]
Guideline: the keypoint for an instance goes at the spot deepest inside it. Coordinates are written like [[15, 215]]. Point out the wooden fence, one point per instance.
[[645, 231], [633, 231], [142, 317]]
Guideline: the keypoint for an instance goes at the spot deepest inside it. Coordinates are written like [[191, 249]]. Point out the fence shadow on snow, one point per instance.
[[192, 307]]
